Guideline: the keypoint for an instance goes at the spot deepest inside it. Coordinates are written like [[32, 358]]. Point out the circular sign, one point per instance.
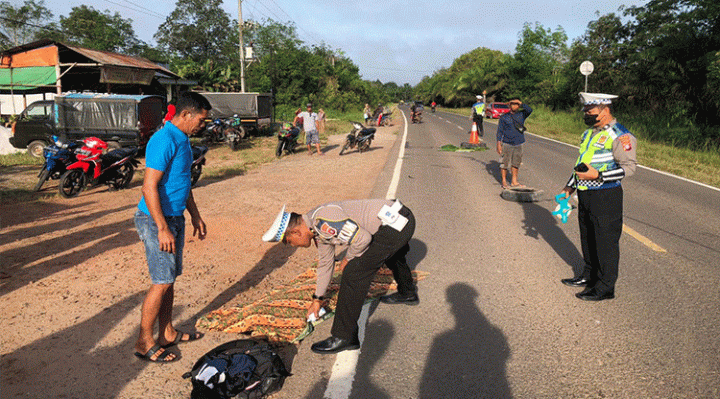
[[586, 68]]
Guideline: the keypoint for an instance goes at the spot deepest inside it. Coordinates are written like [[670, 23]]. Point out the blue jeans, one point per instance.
[[163, 267]]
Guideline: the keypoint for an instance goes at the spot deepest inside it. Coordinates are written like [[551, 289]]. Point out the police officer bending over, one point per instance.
[[607, 155], [376, 231]]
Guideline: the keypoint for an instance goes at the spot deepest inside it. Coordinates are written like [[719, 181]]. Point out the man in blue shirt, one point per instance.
[[161, 224], [510, 137]]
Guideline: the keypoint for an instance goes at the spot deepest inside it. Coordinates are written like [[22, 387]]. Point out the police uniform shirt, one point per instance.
[[345, 223], [624, 152]]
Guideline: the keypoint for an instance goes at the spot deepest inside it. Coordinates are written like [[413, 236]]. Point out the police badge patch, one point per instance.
[[341, 232]]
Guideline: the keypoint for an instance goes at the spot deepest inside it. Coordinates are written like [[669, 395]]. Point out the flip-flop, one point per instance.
[[178, 338], [518, 186], [162, 358]]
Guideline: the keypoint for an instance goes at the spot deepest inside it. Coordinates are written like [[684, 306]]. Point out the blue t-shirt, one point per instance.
[[169, 151]]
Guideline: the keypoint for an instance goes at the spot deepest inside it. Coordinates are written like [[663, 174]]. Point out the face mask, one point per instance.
[[590, 120]]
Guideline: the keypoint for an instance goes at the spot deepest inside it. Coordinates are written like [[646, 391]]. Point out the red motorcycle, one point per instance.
[[115, 168]]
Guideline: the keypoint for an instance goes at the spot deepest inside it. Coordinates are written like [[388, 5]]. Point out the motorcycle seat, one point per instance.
[[198, 150], [116, 155], [367, 131]]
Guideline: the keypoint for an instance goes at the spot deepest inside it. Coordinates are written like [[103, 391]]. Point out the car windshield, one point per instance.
[[501, 106]]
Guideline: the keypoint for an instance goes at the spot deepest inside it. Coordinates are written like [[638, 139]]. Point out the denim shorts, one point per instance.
[[163, 266]]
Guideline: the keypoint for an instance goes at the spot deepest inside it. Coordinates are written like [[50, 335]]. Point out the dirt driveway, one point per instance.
[[77, 273]]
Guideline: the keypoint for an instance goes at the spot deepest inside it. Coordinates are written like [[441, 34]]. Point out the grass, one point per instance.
[[699, 165], [19, 158]]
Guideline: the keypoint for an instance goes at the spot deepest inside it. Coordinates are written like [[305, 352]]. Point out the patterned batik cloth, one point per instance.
[[281, 315]]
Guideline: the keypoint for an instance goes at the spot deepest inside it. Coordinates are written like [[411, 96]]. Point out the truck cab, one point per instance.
[[34, 127]]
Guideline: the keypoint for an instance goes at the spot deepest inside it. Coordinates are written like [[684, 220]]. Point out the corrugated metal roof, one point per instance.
[[108, 58]]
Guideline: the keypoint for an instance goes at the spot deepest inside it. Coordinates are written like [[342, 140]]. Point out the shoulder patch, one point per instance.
[[337, 232], [626, 142]]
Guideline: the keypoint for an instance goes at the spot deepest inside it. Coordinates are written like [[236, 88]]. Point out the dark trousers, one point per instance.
[[388, 246], [478, 119], [600, 216]]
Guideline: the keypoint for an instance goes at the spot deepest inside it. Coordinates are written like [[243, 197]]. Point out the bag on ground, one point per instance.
[[244, 368]]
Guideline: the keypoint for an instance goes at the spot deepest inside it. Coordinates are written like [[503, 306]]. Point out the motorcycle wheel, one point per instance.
[[195, 173], [124, 176], [345, 147], [43, 177], [72, 183], [280, 148], [365, 145]]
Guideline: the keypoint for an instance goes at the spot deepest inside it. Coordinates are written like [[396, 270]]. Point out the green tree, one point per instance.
[[539, 57], [21, 24], [197, 30], [88, 27]]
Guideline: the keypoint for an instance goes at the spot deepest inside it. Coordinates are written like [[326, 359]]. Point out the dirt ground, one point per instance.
[[77, 273]]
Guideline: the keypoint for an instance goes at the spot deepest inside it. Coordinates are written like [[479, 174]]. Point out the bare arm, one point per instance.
[[199, 227], [152, 200]]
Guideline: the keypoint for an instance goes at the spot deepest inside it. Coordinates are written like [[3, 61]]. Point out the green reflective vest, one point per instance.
[[596, 151], [479, 109]]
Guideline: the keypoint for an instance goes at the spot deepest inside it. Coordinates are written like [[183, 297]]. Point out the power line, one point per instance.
[[152, 13], [147, 9]]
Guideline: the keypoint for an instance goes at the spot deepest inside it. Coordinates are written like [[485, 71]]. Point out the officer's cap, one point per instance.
[[277, 230], [596, 98], [479, 97]]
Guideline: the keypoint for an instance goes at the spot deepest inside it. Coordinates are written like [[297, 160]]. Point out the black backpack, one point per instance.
[[254, 371]]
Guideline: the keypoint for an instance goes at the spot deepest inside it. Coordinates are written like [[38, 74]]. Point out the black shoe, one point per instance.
[[594, 295], [335, 345], [575, 282], [398, 298]]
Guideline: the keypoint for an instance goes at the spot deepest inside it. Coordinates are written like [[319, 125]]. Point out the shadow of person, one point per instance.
[[373, 348], [469, 360], [274, 258], [418, 252], [493, 169], [540, 222], [73, 362]]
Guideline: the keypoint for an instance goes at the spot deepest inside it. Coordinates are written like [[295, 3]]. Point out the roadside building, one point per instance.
[[41, 69]]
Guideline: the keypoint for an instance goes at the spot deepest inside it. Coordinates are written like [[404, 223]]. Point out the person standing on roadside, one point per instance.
[[510, 139], [376, 232], [310, 126], [161, 225], [367, 113], [478, 110], [321, 121], [607, 155]]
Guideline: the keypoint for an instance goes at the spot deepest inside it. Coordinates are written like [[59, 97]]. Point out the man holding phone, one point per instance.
[[607, 155]]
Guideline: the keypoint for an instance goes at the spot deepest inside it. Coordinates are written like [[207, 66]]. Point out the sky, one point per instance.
[[389, 40]]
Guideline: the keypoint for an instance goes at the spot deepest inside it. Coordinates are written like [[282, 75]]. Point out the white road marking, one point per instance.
[[343, 371]]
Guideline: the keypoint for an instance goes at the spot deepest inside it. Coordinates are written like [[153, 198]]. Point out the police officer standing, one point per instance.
[[607, 155], [478, 110], [376, 232]]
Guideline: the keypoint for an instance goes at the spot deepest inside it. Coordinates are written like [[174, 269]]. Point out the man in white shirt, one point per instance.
[[310, 125]]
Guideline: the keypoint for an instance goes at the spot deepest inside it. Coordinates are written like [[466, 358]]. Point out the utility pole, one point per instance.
[[242, 48]]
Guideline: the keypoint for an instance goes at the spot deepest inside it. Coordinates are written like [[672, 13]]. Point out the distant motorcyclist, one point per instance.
[[433, 105]]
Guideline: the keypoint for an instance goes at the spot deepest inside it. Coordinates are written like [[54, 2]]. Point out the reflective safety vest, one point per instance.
[[479, 108], [596, 151]]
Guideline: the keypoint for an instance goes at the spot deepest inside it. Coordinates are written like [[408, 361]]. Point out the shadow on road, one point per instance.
[[468, 361], [540, 222], [363, 386]]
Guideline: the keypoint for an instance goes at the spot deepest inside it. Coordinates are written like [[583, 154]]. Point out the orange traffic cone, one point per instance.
[[474, 138]]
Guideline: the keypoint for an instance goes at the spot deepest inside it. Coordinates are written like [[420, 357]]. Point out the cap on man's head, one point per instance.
[[596, 98], [479, 97], [308, 105], [277, 230]]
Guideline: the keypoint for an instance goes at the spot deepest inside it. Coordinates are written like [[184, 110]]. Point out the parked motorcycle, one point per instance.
[[57, 158], [384, 119], [115, 168], [198, 152], [287, 139], [417, 117], [214, 132], [234, 132], [360, 137]]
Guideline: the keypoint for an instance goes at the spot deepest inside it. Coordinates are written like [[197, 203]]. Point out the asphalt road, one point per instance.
[[494, 320]]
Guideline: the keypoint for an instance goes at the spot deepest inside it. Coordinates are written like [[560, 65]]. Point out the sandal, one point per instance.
[[178, 338], [161, 358]]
